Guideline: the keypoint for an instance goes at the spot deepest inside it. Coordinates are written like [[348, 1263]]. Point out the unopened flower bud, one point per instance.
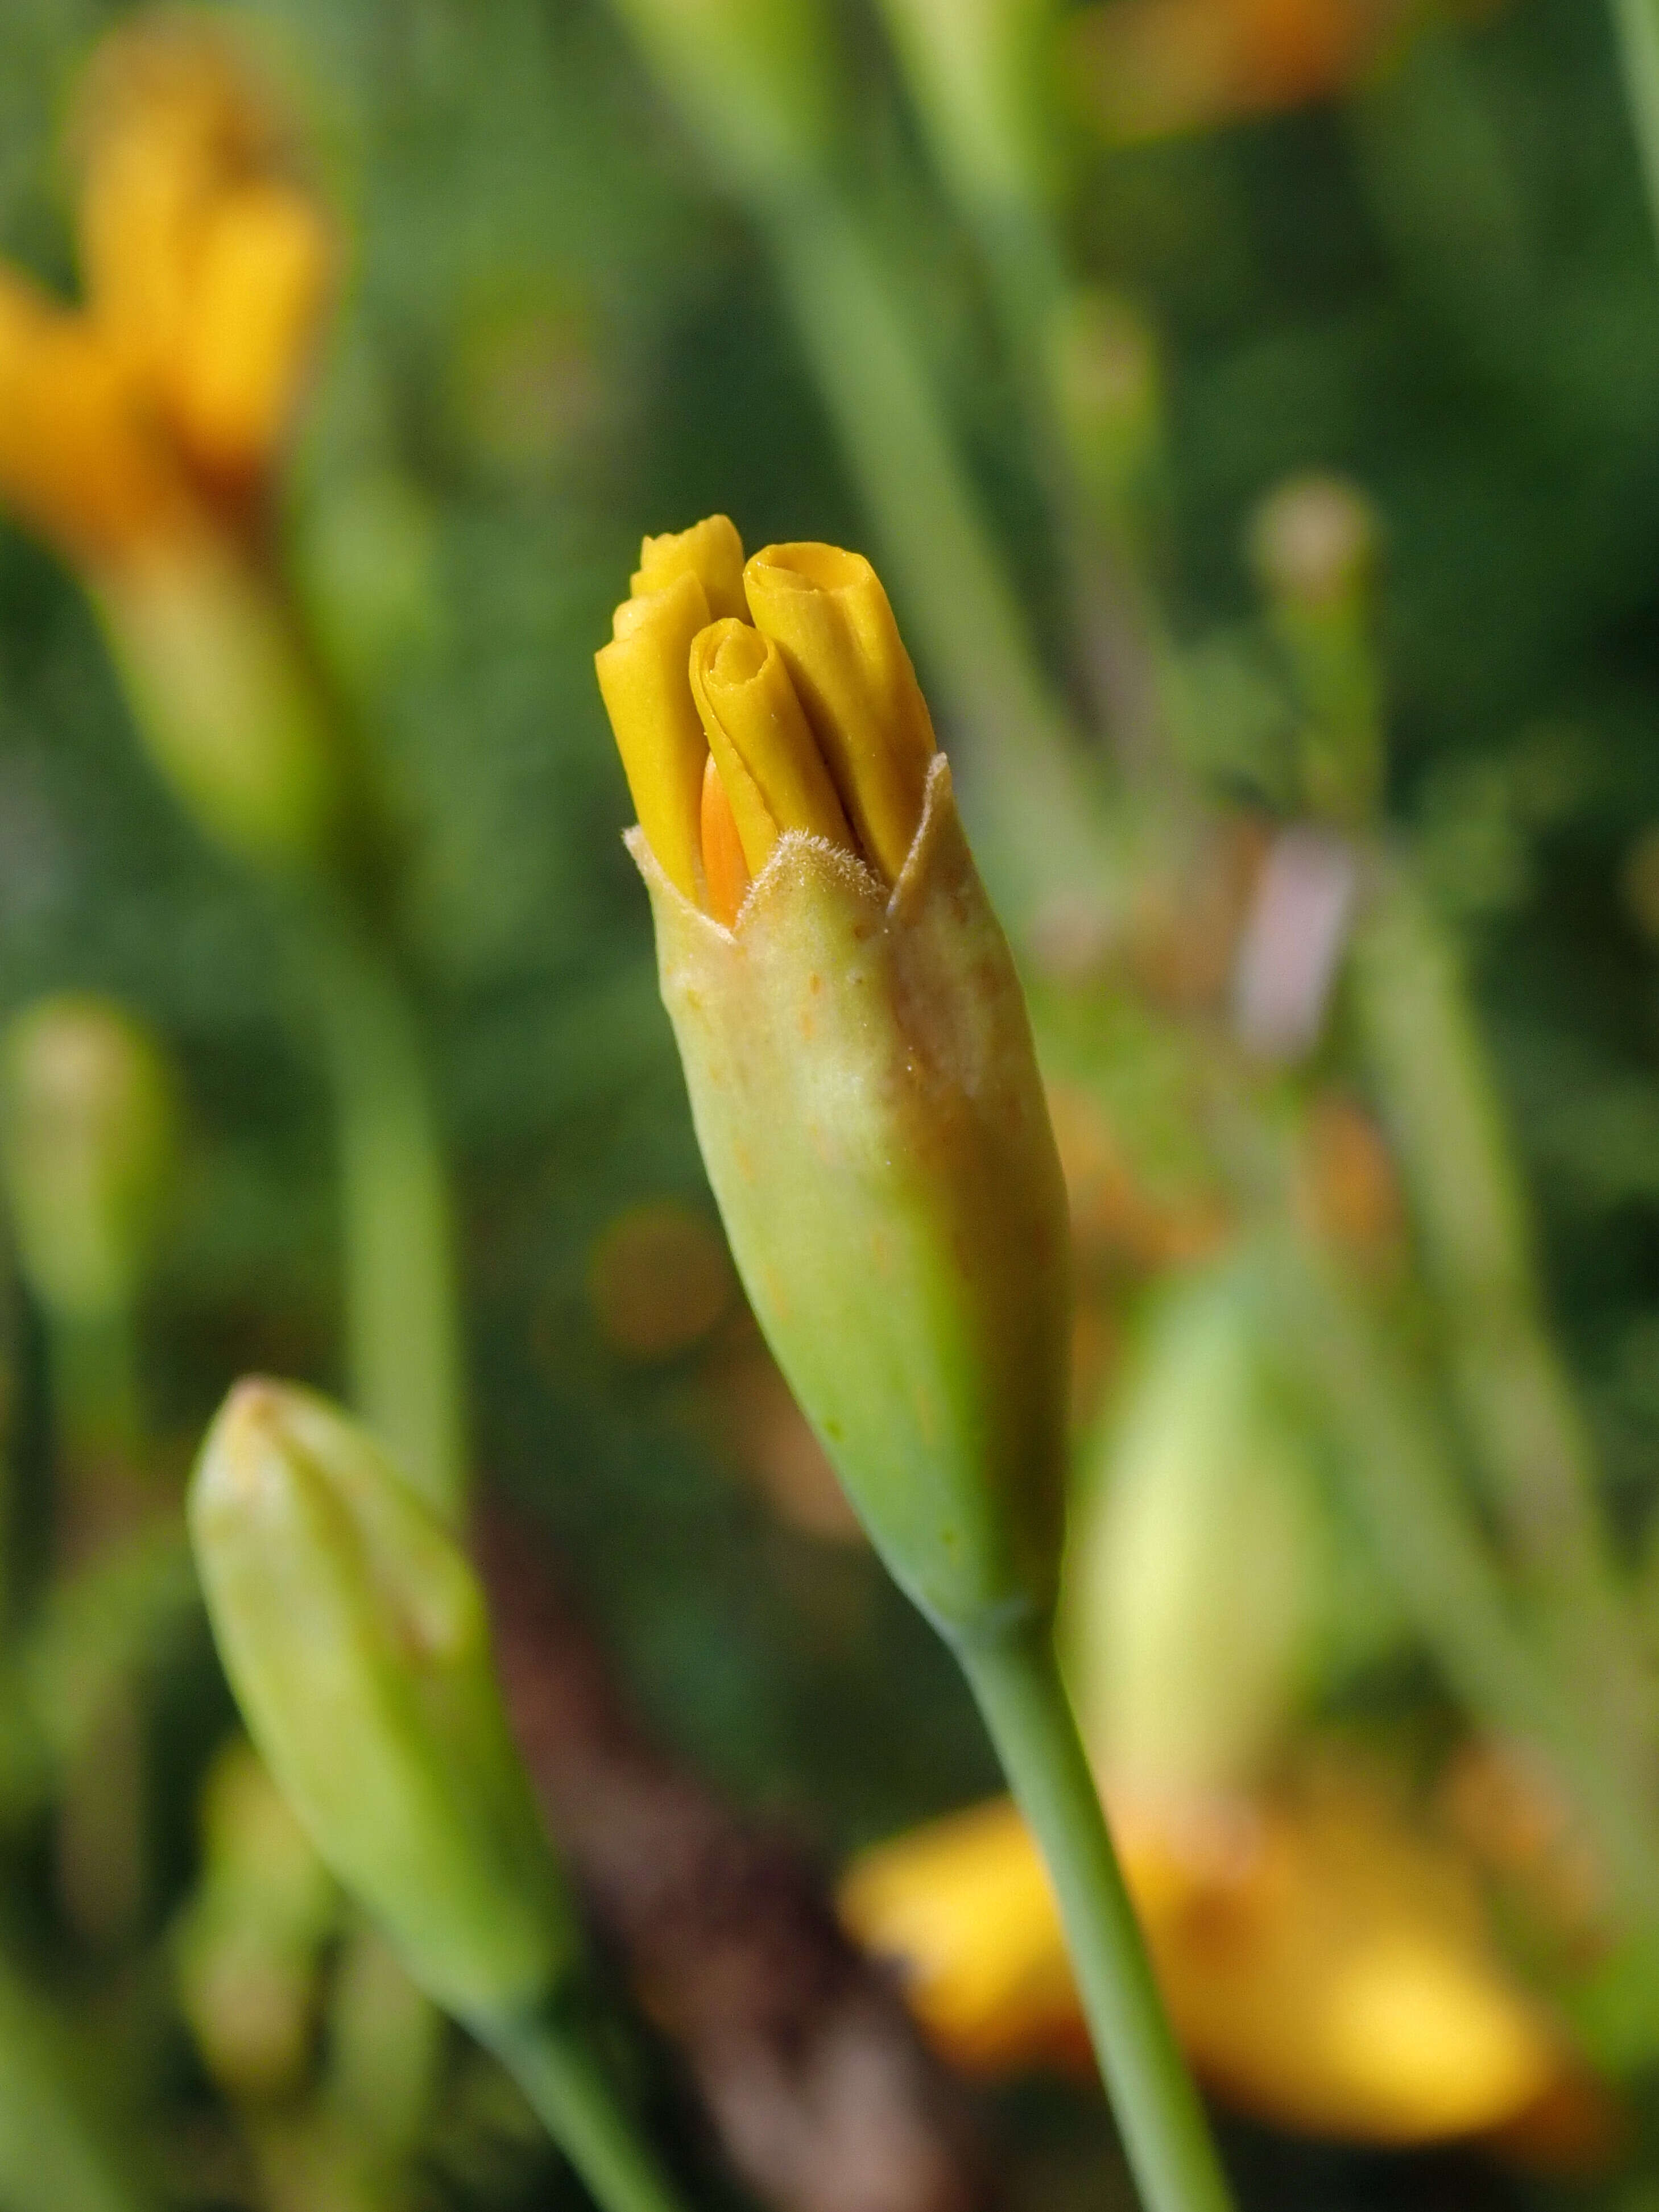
[[89, 1139], [248, 1946], [862, 1076], [354, 1636], [1197, 1555]]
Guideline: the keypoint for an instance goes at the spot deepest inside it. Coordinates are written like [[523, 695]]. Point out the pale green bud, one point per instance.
[[354, 1633], [866, 1094], [226, 704], [247, 1948], [89, 1139], [755, 79], [1197, 1555]]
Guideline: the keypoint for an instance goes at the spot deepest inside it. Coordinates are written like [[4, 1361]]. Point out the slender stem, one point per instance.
[[1437, 1088], [577, 2105], [1039, 817], [1635, 27], [1016, 1679], [403, 1319], [1403, 1481]]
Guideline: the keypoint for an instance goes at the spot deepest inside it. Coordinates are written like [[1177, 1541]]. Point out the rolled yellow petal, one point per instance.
[[760, 737], [711, 550], [725, 868], [77, 462], [829, 617], [642, 679], [261, 282]]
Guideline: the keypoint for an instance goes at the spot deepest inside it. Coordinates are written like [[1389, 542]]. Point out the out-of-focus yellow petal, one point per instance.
[[965, 1909], [77, 460], [759, 736], [829, 617], [725, 866], [262, 277], [711, 550], [1325, 1965], [205, 263], [643, 677]]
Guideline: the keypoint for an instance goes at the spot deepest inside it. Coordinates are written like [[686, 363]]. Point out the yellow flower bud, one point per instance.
[[355, 1636], [89, 1137], [828, 615], [861, 1071]]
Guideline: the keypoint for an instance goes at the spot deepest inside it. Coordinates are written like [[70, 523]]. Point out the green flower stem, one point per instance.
[[570, 2095], [406, 1359], [1165, 2133], [1635, 27], [1436, 1089], [1037, 819], [94, 1371], [1403, 1481]]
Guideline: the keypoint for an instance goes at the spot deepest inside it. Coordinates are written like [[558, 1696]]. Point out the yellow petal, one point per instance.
[[963, 1909], [648, 695], [77, 461], [711, 550], [205, 263], [725, 868], [261, 280], [758, 734], [830, 619], [1326, 1966]]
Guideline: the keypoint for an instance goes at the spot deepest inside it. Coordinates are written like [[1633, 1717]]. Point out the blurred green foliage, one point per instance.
[[557, 335]]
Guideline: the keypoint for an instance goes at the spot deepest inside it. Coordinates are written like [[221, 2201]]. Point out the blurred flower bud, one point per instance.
[[247, 1947], [354, 1636], [754, 78], [1196, 1557], [88, 1140], [1313, 545], [140, 434], [981, 71], [861, 1066], [207, 264]]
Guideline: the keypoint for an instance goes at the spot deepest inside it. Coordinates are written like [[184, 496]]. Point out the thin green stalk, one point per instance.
[[1436, 1089], [1635, 27], [1040, 821], [402, 1318], [577, 2105], [1403, 1482], [1165, 2132], [94, 1369]]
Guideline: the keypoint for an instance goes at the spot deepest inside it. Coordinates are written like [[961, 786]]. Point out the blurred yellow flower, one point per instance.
[[154, 413], [1325, 1963]]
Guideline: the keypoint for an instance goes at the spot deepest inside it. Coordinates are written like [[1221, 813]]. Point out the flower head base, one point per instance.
[[858, 1053]]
